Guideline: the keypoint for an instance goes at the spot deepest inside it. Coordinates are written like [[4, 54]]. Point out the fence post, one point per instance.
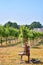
[[1, 41], [6, 40]]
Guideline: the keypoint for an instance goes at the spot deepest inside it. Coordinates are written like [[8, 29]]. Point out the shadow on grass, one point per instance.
[[10, 45], [35, 47], [34, 62], [40, 43], [31, 62], [41, 63]]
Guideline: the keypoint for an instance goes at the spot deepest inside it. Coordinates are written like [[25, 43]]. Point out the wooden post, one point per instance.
[[1, 41], [26, 50], [6, 40]]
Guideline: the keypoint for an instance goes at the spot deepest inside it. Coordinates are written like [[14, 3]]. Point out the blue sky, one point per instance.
[[21, 11]]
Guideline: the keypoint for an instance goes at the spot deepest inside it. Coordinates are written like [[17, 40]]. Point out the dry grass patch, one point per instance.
[[9, 55]]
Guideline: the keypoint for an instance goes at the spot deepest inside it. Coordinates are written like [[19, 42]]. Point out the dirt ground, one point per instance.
[[9, 55]]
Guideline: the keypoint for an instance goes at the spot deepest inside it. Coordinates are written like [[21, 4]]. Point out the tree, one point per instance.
[[14, 25], [35, 25], [10, 24]]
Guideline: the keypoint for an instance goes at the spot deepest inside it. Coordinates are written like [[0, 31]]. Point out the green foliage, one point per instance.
[[8, 31], [23, 32], [10, 24], [1, 30], [35, 25], [31, 26]]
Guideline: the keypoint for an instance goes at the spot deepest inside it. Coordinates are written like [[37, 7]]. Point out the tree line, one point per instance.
[[31, 26]]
